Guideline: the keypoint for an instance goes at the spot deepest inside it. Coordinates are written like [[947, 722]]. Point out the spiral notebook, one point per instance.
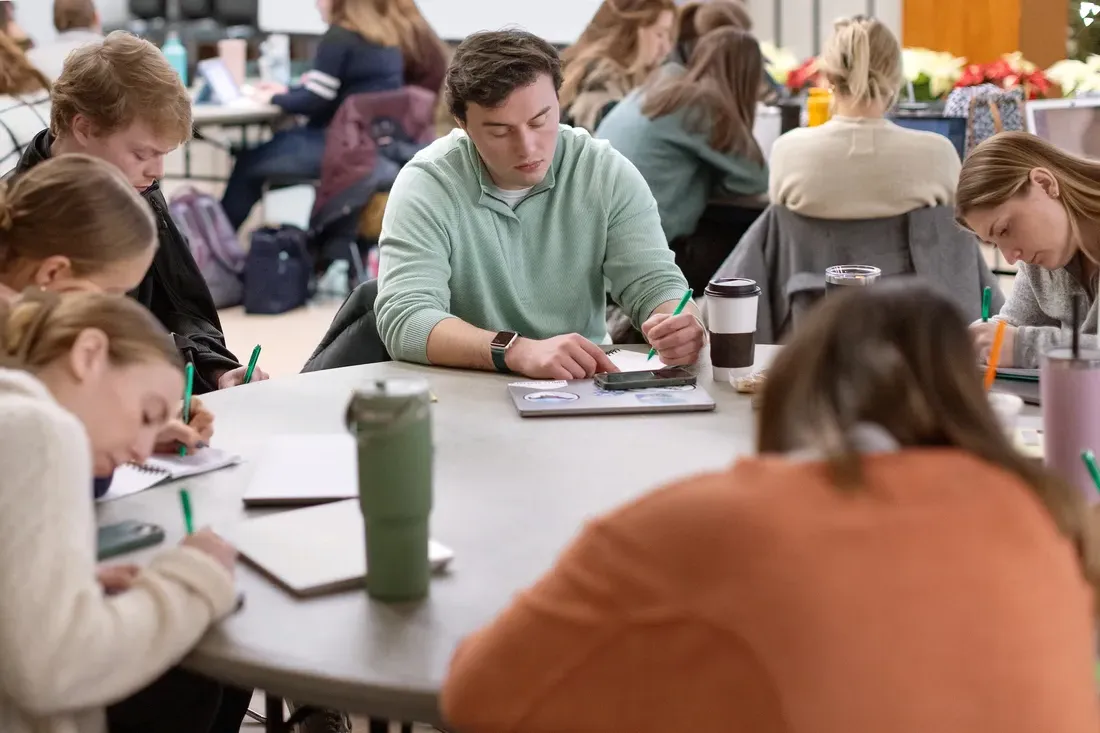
[[132, 478]]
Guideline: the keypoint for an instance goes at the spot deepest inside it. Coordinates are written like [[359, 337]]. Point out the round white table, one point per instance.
[[510, 493]]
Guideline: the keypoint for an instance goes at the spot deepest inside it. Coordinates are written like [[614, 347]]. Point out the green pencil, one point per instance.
[[188, 389], [1090, 463], [252, 364], [679, 309], [987, 301], [185, 505]]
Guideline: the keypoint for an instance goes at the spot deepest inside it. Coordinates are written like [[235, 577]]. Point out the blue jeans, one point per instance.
[[290, 154]]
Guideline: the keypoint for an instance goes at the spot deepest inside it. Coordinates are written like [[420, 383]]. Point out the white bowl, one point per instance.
[[1007, 407]]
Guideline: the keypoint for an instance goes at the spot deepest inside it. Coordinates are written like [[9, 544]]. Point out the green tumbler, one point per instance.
[[391, 422]]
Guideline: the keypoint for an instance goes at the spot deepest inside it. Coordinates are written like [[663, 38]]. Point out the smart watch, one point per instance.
[[499, 346]]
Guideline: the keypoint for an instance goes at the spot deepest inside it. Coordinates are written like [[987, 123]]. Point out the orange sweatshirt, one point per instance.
[[939, 598]]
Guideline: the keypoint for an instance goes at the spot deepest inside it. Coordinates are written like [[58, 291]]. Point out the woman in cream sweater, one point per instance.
[[859, 165], [889, 562], [86, 382]]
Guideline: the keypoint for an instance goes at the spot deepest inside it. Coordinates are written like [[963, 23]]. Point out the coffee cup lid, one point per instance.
[[732, 287]]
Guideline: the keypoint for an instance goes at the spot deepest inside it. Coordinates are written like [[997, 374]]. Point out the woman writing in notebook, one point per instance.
[[889, 562], [74, 223], [87, 381], [1039, 206]]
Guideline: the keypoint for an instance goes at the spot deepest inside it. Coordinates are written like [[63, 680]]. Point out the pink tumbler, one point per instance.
[[1070, 390]]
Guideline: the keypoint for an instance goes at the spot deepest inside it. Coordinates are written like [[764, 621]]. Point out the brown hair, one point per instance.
[[379, 21], [611, 37], [863, 60], [39, 328], [69, 15], [116, 82], [17, 75], [719, 90], [1000, 168], [488, 66], [421, 43], [700, 18], [899, 356], [74, 206]]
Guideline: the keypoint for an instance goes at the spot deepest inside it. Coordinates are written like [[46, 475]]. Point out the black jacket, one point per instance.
[[173, 289], [352, 338]]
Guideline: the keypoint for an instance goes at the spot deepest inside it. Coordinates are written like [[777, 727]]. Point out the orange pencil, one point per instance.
[[994, 355]]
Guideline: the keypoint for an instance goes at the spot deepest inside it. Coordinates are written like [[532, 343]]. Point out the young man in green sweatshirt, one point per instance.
[[499, 241]]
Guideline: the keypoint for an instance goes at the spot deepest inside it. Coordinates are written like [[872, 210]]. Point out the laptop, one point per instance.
[[220, 87], [583, 397], [1070, 124]]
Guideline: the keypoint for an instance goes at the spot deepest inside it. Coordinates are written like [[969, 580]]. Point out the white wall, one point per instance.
[[804, 25], [36, 16]]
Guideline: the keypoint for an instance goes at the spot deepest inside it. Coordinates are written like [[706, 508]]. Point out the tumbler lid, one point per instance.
[[1061, 357], [732, 287]]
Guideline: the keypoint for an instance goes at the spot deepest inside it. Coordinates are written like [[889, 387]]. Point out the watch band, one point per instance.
[[498, 360], [499, 350]]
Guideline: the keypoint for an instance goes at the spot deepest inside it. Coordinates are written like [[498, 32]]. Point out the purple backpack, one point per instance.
[[213, 243]]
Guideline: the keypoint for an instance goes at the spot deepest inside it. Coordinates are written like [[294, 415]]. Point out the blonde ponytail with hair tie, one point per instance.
[[21, 322]]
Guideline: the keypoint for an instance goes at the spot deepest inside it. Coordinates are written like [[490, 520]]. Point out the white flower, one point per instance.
[[942, 69], [1076, 77], [780, 61]]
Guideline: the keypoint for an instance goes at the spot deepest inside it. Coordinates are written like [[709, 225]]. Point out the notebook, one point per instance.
[[633, 361], [302, 470], [583, 397], [310, 552], [131, 478]]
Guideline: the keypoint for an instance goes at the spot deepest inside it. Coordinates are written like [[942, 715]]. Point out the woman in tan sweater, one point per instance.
[[888, 563], [859, 165]]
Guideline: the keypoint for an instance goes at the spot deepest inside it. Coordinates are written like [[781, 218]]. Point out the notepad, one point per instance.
[[302, 470], [313, 551], [1023, 375], [632, 361], [131, 478]]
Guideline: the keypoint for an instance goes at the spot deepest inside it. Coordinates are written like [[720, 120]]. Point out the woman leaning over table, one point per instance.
[[1040, 207], [888, 562], [87, 380], [74, 223], [622, 44]]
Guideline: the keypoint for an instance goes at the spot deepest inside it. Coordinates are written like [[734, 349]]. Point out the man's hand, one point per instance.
[[235, 377], [116, 578], [176, 432], [563, 357], [982, 335], [678, 339]]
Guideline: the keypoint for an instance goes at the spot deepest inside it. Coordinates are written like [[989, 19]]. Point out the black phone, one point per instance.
[[667, 377], [127, 536]]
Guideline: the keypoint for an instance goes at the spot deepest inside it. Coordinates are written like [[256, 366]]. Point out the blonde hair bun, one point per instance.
[[863, 60]]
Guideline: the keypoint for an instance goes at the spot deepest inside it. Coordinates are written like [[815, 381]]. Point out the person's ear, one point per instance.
[[88, 356], [1045, 180], [52, 271], [82, 130]]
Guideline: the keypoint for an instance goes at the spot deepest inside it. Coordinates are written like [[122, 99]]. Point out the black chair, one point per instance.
[[196, 9], [148, 9], [352, 338], [237, 12]]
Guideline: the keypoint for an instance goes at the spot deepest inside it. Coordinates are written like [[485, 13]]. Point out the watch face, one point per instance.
[[503, 340]]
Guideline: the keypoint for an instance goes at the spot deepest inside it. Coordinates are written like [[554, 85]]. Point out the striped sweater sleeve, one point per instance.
[[319, 90]]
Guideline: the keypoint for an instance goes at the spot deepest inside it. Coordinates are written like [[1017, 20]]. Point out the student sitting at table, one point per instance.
[[77, 23], [889, 562], [361, 52], [622, 44], [859, 165], [74, 223], [24, 103], [498, 240], [689, 133], [121, 101], [1039, 206], [87, 380]]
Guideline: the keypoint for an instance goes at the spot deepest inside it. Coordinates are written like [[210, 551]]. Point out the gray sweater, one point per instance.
[[1041, 306]]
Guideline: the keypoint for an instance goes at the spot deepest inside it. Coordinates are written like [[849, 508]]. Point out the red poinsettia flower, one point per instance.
[[803, 76]]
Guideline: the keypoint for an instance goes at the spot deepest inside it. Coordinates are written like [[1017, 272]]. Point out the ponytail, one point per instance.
[[863, 61], [40, 327]]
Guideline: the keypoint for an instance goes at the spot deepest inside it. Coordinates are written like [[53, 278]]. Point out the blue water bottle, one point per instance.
[[176, 54]]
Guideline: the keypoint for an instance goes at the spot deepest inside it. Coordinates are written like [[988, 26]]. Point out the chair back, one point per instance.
[[352, 337], [148, 9], [237, 12]]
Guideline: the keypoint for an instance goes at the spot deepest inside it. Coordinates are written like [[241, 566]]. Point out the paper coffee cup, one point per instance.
[[731, 320]]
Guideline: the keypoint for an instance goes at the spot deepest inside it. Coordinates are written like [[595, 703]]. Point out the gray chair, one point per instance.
[[787, 255]]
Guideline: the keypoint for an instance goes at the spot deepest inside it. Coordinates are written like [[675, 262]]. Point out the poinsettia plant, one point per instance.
[[1009, 72]]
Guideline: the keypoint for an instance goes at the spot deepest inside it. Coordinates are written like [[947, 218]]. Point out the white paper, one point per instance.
[[632, 361], [300, 468], [130, 479]]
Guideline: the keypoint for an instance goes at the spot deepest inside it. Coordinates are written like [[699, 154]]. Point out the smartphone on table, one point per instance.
[[127, 536], [667, 377]]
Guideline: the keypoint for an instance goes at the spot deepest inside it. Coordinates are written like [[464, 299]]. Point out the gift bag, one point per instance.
[[988, 109]]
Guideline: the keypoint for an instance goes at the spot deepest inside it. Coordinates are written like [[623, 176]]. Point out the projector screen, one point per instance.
[[559, 22]]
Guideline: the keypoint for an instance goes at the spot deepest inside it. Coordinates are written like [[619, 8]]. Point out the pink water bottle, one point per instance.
[[1070, 388]]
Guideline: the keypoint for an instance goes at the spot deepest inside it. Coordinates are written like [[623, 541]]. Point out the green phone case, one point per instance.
[[127, 536]]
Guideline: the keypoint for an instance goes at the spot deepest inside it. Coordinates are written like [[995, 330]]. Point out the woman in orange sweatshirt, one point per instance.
[[888, 563]]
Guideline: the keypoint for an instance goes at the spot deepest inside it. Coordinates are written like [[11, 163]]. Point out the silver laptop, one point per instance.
[[583, 397], [1071, 124]]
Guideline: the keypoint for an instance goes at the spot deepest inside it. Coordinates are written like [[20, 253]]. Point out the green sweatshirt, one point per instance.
[[683, 171], [451, 248]]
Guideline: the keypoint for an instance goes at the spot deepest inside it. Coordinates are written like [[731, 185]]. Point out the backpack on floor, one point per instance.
[[277, 272], [213, 244]]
